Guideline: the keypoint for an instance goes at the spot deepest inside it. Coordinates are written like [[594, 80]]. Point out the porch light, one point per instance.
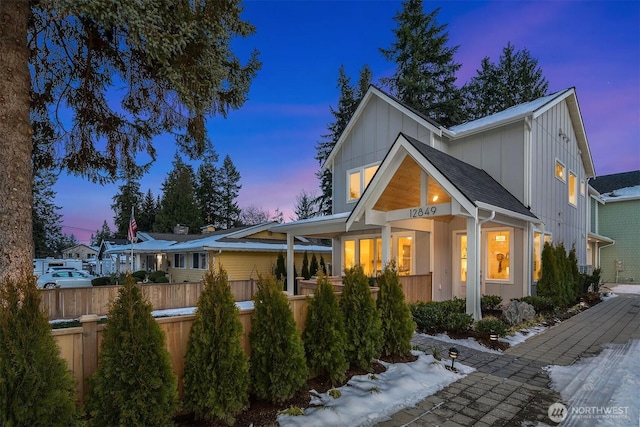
[[435, 198], [493, 337], [453, 354]]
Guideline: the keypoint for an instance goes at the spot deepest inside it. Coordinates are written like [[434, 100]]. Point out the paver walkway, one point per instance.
[[512, 389]]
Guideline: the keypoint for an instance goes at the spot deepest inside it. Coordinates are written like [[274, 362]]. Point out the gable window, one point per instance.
[[358, 179], [573, 189], [560, 171], [178, 261], [199, 260]]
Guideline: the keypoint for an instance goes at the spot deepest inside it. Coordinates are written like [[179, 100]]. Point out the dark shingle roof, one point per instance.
[[608, 183], [475, 184]]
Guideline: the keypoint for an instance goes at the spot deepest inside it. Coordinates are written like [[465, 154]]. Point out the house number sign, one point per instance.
[[423, 212]]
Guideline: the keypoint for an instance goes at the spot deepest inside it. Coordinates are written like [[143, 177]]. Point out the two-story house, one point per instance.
[[472, 204]]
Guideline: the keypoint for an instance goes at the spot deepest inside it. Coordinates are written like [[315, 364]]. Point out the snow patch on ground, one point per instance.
[[624, 289], [523, 335], [467, 342], [370, 399]]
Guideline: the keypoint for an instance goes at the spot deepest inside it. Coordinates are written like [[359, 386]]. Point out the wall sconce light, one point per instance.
[[493, 337], [435, 198], [453, 354]]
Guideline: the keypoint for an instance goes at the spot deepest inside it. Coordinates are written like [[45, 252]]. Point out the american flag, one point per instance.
[[132, 227]]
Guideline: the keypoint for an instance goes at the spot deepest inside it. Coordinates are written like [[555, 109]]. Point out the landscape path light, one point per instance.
[[493, 337], [453, 354]]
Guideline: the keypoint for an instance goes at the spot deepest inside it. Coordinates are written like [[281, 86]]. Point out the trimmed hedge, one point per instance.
[[488, 324], [542, 305]]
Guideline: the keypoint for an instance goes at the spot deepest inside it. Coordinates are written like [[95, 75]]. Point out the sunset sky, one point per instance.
[[592, 46]]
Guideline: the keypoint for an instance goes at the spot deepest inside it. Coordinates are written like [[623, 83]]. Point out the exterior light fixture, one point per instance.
[[453, 354], [493, 337], [435, 198]]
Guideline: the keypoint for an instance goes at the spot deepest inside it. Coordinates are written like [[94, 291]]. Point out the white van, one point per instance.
[[47, 265]]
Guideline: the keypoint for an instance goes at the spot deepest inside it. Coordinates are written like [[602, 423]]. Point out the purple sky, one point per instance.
[[592, 46]]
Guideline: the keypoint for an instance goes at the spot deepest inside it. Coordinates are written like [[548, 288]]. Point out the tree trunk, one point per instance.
[[16, 179]]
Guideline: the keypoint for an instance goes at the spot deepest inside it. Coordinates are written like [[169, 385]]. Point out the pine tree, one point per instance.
[[397, 322], [36, 387], [229, 189], [281, 269], [207, 192], [347, 103], [129, 196], [277, 364], [47, 230], [306, 206], [147, 214], [178, 204], [324, 335], [313, 266], [323, 266], [216, 373], [516, 79], [362, 319], [103, 234], [425, 72], [305, 266], [134, 383]]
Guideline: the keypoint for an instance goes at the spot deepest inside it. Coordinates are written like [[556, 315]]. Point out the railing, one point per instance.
[[71, 303], [80, 346]]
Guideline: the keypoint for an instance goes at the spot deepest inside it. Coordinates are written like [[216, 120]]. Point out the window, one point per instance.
[[199, 260], [404, 255], [498, 254], [573, 189], [178, 261], [358, 179], [539, 240], [560, 171], [349, 253], [463, 257]]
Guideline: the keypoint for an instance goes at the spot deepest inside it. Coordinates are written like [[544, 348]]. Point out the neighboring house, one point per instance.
[[81, 251], [617, 216], [244, 252], [472, 204]]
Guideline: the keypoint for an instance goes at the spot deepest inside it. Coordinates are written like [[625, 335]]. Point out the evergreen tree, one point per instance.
[[347, 103], [313, 266], [362, 319], [324, 336], [36, 387], [323, 266], [397, 322], [178, 205], [305, 206], [516, 79], [207, 192], [134, 383], [425, 72], [147, 214], [216, 372], [47, 230], [229, 189], [281, 269], [103, 234], [277, 364], [305, 266], [549, 281], [129, 196], [574, 275], [173, 67]]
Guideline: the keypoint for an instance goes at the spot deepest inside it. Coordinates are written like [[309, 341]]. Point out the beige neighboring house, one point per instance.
[[81, 251], [472, 204], [244, 252]]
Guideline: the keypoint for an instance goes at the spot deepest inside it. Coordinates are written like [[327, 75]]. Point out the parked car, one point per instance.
[[54, 269], [65, 279]]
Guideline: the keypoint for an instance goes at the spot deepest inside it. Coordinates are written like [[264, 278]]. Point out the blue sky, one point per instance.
[[592, 46]]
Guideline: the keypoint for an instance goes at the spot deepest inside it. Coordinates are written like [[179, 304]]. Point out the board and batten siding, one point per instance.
[[368, 142], [553, 138], [620, 220]]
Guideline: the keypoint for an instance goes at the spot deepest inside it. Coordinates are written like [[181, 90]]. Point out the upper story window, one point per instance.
[[561, 172], [178, 261], [573, 189], [199, 260], [358, 179]]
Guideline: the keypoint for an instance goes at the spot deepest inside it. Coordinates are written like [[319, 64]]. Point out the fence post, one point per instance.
[[89, 350]]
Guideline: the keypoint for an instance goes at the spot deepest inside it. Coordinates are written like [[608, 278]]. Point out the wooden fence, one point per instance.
[[71, 303], [80, 346]]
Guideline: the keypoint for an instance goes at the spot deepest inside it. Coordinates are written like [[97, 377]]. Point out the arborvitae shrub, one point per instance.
[[134, 383], [549, 281], [323, 266], [363, 326], [277, 364], [305, 267], [281, 269], [397, 322], [216, 372], [324, 336], [313, 266], [576, 285], [36, 387]]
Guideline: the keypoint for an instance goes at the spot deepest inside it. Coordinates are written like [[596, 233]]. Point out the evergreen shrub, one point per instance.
[[158, 276], [459, 322], [363, 326], [139, 275], [397, 322], [313, 266], [101, 281], [488, 324], [36, 387], [430, 317], [134, 383], [305, 267], [216, 372], [277, 364], [542, 305], [490, 302], [324, 335]]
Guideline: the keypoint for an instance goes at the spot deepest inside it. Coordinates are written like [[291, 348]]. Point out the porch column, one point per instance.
[[386, 244], [473, 269], [290, 258]]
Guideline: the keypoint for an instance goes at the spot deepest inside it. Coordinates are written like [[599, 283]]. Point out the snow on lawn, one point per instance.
[[601, 390], [370, 399], [520, 337], [242, 305], [624, 289], [467, 342]]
